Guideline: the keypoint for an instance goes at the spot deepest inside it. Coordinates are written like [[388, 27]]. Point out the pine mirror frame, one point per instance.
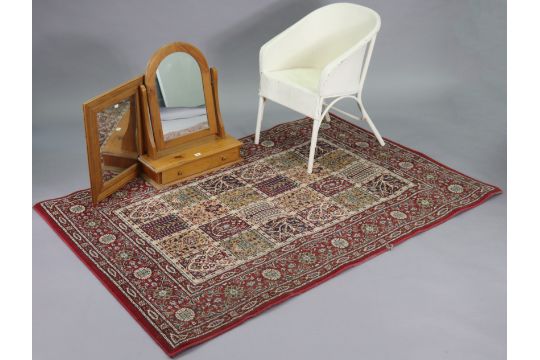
[[153, 104], [99, 188]]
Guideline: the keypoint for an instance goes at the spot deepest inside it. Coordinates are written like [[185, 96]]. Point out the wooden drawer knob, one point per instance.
[[223, 158], [179, 172]]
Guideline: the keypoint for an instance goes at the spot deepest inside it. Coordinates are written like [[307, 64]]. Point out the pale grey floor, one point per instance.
[[437, 84]]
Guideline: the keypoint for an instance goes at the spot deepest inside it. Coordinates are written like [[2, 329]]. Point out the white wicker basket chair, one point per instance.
[[318, 61]]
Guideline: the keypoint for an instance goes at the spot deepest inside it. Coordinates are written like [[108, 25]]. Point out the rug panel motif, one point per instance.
[[194, 259], [215, 229]]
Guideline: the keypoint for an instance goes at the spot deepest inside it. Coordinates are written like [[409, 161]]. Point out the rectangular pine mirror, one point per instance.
[[113, 138]]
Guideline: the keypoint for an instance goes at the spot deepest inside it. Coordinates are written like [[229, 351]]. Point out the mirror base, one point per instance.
[[192, 159]]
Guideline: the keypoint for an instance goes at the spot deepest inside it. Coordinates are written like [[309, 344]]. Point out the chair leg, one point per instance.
[[366, 117], [259, 119], [314, 133], [327, 117]]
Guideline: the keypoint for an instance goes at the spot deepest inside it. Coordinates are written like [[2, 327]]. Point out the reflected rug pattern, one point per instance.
[[194, 260]]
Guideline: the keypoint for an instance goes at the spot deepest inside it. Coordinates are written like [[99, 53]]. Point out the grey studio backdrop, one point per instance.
[[437, 83]]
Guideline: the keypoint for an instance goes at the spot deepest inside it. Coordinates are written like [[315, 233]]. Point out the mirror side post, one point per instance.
[[219, 121], [147, 132]]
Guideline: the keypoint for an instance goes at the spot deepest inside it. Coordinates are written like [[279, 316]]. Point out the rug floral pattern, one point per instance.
[[197, 258]]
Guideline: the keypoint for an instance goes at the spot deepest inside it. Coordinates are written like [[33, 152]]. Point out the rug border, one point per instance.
[[170, 351]]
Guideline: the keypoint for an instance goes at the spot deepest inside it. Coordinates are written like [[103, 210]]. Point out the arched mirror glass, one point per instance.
[[180, 95]]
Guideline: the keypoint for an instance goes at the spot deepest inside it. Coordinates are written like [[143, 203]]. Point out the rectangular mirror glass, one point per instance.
[[117, 138]]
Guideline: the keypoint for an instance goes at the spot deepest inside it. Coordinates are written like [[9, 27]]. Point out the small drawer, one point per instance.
[[200, 165]]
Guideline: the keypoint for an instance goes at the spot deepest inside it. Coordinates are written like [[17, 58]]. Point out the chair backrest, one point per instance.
[[333, 29], [332, 38], [346, 72], [327, 32]]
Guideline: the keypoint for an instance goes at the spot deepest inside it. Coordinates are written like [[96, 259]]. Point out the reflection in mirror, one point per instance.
[[117, 140], [180, 95]]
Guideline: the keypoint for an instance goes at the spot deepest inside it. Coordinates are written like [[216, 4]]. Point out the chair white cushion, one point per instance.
[[306, 78]]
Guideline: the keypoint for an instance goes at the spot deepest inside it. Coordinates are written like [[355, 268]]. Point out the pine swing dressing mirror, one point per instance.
[[166, 125], [180, 98]]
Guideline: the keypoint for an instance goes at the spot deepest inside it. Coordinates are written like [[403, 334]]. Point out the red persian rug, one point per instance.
[[194, 260]]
